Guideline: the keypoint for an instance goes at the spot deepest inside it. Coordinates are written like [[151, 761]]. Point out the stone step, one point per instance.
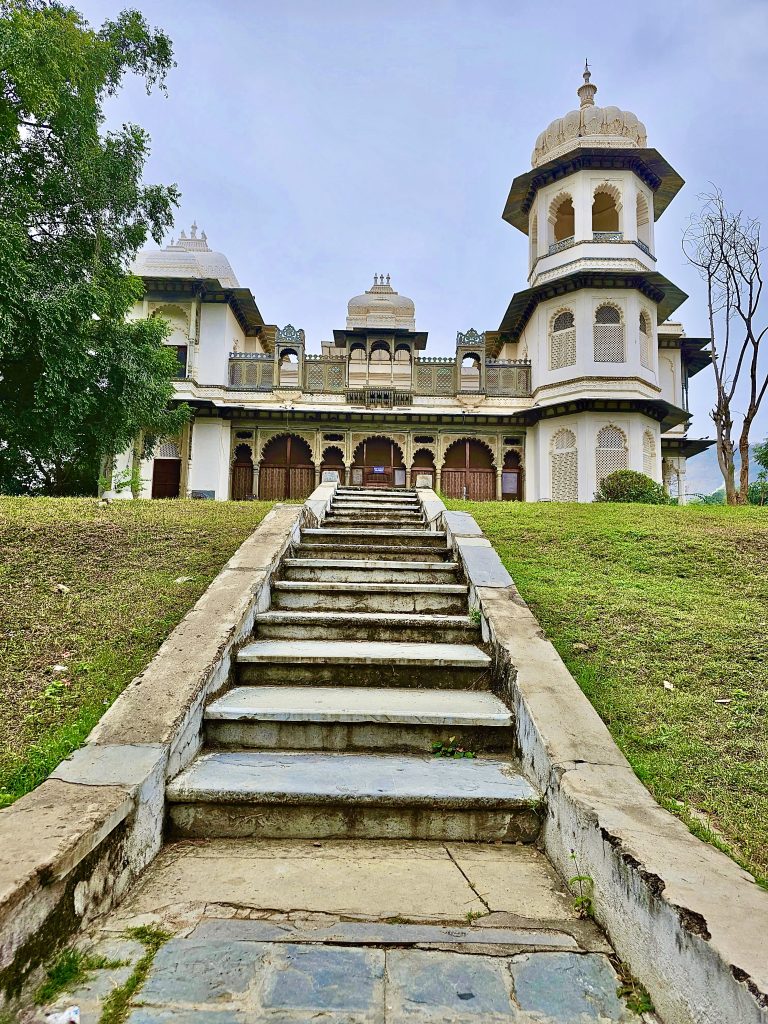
[[356, 718], [364, 663], [443, 598], [325, 625], [366, 504], [349, 570], [363, 551], [412, 519], [377, 494], [286, 794], [376, 538]]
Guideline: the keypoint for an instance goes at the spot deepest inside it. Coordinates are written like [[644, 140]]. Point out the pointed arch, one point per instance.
[[378, 461], [564, 466], [646, 336], [561, 219], [562, 339], [608, 332], [286, 467], [610, 452], [469, 470], [606, 209]]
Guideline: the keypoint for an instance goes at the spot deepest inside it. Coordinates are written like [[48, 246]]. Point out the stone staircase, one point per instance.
[[366, 657]]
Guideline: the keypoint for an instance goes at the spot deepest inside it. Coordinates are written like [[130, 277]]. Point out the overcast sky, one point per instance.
[[320, 142]]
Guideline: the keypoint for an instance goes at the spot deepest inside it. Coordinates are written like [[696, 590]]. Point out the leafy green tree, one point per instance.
[[77, 381], [627, 485]]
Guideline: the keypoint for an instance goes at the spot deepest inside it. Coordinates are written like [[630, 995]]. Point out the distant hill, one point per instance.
[[703, 476]]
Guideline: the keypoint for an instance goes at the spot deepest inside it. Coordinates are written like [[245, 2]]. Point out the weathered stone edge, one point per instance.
[[70, 849], [688, 920]]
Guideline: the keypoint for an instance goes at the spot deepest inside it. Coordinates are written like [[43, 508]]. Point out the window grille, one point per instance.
[[645, 342], [564, 461], [562, 341], [649, 454], [167, 450], [609, 335], [611, 452]]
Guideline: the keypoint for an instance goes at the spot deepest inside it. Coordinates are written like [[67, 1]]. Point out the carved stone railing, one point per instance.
[[564, 243], [325, 374], [379, 398], [510, 378], [251, 371], [436, 376], [607, 236]]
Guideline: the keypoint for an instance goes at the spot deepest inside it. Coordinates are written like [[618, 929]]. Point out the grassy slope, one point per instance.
[[122, 564], [675, 594]]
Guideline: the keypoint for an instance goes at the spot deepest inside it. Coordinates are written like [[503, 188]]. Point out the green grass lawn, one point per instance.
[[661, 594], [131, 571]]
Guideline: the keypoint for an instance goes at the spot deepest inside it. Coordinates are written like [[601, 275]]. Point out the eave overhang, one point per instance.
[[648, 164], [240, 300], [685, 446], [653, 285], [666, 414], [346, 336]]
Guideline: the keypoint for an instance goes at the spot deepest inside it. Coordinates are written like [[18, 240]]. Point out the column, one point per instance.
[[438, 476], [498, 484]]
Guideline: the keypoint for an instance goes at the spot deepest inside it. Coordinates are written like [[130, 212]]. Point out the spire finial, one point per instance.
[[193, 230], [387, 278], [586, 92]]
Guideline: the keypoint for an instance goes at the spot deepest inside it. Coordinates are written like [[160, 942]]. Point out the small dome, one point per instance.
[[381, 306], [189, 257], [588, 126]]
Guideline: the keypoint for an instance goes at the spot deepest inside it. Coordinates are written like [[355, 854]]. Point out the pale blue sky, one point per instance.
[[318, 143]]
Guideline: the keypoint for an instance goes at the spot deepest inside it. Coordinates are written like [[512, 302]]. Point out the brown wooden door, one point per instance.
[[242, 481], [166, 478], [287, 470], [380, 460], [468, 472]]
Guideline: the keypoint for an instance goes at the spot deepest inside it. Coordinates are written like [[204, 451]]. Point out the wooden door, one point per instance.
[[468, 472], [287, 470], [242, 481], [166, 478]]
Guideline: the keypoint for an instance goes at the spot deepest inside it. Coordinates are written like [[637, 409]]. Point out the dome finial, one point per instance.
[[586, 92]]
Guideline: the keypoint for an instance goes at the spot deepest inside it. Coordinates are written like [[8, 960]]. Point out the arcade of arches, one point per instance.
[[288, 470]]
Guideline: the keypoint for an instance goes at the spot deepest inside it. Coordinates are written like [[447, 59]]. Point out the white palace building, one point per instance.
[[586, 373]]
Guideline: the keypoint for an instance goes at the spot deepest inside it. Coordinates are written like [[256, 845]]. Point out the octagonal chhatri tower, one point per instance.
[[590, 319]]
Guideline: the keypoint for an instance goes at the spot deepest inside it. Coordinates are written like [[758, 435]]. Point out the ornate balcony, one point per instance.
[[564, 243], [607, 236]]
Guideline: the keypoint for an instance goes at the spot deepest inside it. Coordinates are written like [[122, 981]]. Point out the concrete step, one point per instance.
[[374, 522], [284, 794], [338, 517], [443, 598], [325, 625], [376, 493], [367, 504], [375, 538], [356, 718], [349, 570], [364, 663], [362, 551]]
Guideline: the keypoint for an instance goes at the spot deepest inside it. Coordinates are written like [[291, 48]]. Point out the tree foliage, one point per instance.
[[76, 379], [627, 485]]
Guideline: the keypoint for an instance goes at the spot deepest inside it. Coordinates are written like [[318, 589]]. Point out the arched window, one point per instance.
[[357, 353], [469, 373], [611, 452], [605, 212], [380, 352], [608, 335], [649, 454], [564, 466], [562, 340], [645, 341], [562, 221], [643, 222], [534, 238], [289, 369]]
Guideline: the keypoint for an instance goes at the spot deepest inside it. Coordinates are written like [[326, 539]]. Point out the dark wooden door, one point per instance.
[[242, 481], [468, 472], [166, 478], [286, 471]]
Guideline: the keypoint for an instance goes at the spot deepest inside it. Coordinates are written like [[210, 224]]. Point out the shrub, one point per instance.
[[627, 485]]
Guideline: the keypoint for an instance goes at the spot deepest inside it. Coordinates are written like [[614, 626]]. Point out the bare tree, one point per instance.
[[725, 248]]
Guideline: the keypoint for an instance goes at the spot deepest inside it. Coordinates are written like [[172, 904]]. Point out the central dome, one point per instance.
[[381, 306], [589, 126], [189, 257]]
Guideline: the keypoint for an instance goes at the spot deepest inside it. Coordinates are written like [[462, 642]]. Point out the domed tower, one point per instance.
[[589, 319]]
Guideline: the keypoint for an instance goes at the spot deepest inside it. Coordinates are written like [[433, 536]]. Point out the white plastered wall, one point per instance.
[[586, 427], [209, 467]]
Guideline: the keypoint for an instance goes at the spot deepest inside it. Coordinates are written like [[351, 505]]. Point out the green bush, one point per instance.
[[627, 485]]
